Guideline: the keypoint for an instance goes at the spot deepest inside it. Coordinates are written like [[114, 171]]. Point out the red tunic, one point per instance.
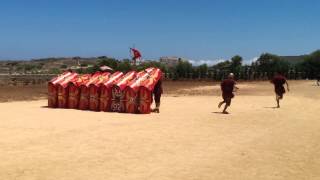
[[227, 87], [278, 82]]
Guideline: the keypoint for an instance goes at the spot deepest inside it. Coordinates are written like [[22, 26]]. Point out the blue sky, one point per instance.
[[194, 29]]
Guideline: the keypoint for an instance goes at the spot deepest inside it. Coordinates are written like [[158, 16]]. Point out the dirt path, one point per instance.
[[189, 139]]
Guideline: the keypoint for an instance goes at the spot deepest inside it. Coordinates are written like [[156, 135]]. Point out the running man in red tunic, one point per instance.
[[227, 88], [278, 81]]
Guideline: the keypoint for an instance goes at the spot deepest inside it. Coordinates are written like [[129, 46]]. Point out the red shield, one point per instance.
[[145, 100], [53, 89], [63, 90], [84, 92], [74, 96], [117, 96], [106, 91], [118, 103], [95, 90], [131, 98], [105, 98], [84, 98], [146, 89]]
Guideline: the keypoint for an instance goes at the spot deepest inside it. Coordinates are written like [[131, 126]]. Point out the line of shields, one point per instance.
[[104, 91]]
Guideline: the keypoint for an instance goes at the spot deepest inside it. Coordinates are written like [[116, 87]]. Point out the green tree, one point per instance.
[[124, 66], [222, 69], [183, 69], [236, 63], [111, 62], [265, 63], [270, 63], [203, 70], [311, 64]]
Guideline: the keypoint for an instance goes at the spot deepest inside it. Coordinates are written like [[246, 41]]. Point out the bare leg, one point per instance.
[[278, 98], [220, 104], [157, 108], [225, 109]]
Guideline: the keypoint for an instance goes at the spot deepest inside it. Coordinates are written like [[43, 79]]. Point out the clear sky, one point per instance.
[[194, 29]]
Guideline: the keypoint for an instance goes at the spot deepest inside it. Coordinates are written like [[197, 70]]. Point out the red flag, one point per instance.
[[136, 53]]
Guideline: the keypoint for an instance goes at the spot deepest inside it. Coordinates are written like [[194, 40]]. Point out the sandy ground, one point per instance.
[[189, 139]]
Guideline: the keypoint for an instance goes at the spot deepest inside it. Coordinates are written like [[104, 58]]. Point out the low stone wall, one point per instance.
[[25, 79]]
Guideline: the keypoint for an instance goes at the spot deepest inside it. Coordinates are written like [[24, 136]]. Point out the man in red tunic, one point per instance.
[[278, 81], [227, 88]]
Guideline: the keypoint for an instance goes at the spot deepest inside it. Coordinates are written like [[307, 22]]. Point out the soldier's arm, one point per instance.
[[287, 85], [235, 86]]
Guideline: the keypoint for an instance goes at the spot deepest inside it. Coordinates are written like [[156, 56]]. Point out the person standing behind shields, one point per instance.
[[278, 81], [227, 88], [157, 92], [318, 79]]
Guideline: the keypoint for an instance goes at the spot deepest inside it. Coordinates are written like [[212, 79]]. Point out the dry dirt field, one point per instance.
[[188, 140]]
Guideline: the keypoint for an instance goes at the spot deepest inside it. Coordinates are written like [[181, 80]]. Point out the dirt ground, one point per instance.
[[189, 139]]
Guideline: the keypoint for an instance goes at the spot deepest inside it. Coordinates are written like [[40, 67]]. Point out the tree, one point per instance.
[[183, 69], [124, 66], [222, 69], [236, 63], [111, 62], [203, 70], [269, 64], [311, 64], [265, 62]]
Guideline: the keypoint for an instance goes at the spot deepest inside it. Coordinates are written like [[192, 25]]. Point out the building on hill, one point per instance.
[[171, 61]]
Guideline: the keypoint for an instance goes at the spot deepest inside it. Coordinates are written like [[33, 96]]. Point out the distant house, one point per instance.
[[170, 61]]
